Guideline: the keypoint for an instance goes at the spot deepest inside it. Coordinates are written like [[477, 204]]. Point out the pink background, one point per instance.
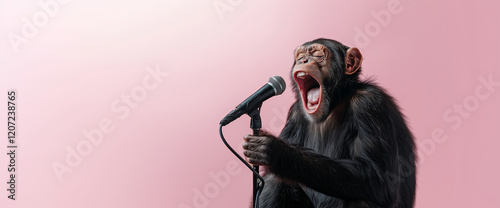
[[430, 55]]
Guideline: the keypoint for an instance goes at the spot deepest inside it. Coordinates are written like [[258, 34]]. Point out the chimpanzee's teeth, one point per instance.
[[302, 75]]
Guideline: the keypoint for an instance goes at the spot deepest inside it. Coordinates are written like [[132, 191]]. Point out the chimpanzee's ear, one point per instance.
[[353, 60]]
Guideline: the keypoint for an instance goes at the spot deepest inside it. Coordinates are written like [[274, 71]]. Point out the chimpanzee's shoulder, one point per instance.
[[368, 95]]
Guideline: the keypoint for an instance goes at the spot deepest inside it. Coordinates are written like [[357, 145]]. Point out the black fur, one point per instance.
[[361, 154]]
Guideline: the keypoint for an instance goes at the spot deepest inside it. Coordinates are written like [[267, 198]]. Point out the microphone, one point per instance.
[[275, 86]]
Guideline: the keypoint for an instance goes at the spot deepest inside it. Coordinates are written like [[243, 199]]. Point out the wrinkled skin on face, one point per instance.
[[310, 69]]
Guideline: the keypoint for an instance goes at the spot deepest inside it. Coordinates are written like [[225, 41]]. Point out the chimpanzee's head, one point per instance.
[[323, 71]]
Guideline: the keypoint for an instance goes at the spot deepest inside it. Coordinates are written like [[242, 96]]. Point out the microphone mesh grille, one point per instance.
[[278, 83]]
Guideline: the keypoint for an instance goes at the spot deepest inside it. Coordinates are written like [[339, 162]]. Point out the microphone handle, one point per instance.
[[231, 116], [251, 103]]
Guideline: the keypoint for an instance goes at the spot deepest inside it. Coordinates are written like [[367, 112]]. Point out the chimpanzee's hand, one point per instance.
[[259, 150]]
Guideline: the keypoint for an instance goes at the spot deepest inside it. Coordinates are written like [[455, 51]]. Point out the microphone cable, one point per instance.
[[261, 184]]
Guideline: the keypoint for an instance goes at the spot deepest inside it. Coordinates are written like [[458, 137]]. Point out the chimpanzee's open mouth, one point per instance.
[[310, 90]]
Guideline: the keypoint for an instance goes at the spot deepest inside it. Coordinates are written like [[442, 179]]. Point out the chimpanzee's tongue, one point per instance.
[[313, 96]]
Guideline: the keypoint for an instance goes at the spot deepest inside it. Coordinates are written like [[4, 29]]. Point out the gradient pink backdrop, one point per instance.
[[431, 55]]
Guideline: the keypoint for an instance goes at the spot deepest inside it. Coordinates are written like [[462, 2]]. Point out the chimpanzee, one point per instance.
[[345, 142]]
